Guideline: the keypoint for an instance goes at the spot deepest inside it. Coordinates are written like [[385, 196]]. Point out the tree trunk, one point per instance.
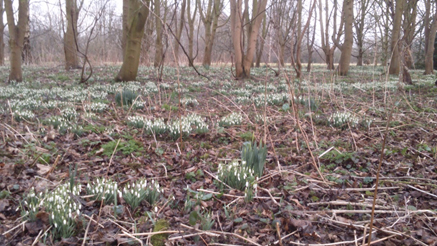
[[70, 36], [179, 31], [26, 54], [16, 37], [261, 42], [243, 60], [210, 22], [2, 43], [395, 38], [409, 26], [159, 49], [191, 19], [430, 35], [346, 47], [125, 25], [138, 14]]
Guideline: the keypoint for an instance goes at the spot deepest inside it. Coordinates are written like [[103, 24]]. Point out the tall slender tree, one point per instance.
[[159, 29], [16, 37], [209, 15], [138, 12], [2, 29], [261, 41], [70, 35], [395, 38], [346, 47], [191, 18], [179, 28], [430, 34], [239, 15]]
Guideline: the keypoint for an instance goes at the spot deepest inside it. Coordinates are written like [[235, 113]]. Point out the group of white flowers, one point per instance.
[[342, 119], [238, 176], [190, 123], [64, 209], [230, 120]]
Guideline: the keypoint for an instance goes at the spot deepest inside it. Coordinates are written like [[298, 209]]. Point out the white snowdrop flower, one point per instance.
[[70, 215], [247, 184], [156, 209], [56, 225], [78, 212], [65, 222], [53, 216]]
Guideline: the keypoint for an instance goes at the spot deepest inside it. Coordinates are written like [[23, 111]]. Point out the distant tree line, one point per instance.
[[400, 35]]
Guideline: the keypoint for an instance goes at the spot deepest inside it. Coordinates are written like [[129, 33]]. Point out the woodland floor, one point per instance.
[[293, 204]]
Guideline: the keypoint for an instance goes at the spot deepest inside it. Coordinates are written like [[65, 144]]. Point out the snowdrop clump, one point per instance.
[[23, 115], [59, 204], [238, 176], [103, 189], [341, 119], [96, 107], [69, 114], [187, 123], [189, 102], [141, 190], [150, 88], [156, 126], [231, 120]]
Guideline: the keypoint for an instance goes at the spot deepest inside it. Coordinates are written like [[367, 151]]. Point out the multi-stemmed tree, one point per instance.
[[242, 22]]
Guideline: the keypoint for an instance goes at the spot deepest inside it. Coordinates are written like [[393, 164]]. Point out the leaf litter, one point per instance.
[[293, 205]]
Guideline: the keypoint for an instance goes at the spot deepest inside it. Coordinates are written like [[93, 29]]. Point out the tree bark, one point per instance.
[[409, 26], [26, 55], [138, 14], [191, 19], [125, 24], [261, 42], [70, 36], [395, 39], [210, 22], [179, 30], [430, 35], [16, 37], [2, 42], [243, 60], [159, 48], [346, 47]]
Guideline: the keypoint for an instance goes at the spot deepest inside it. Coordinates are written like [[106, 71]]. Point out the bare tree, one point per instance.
[[346, 47], [191, 17], [159, 29], [137, 16], [311, 37], [328, 50], [296, 53], [2, 29], [284, 21], [26, 54], [409, 26], [261, 40], [243, 60], [16, 36], [125, 24], [70, 36], [430, 34], [179, 28], [361, 26], [210, 17], [395, 38]]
